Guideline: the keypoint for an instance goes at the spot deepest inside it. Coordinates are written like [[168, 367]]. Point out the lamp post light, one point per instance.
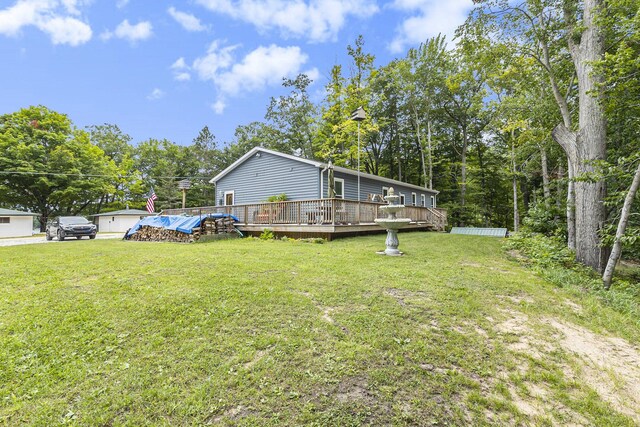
[[184, 185], [358, 115]]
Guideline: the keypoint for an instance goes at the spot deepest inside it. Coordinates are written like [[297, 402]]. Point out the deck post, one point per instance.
[[333, 211], [270, 213], [299, 212], [246, 215], [358, 213]]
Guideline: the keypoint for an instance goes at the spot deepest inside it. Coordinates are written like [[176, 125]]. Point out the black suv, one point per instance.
[[70, 226]]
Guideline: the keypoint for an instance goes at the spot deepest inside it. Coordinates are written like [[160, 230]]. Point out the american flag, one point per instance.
[[150, 205]]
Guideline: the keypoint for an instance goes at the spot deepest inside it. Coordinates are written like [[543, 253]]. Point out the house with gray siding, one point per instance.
[[262, 173]]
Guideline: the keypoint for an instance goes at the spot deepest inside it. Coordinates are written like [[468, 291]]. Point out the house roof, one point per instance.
[[11, 212], [135, 212], [317, 164]]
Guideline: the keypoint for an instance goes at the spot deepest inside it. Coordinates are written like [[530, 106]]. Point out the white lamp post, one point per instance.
[[358, 115]]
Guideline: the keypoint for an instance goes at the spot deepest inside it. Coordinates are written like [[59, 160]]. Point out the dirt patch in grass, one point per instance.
[[608, 365], [354, 389], [404, 295], [486, 267], [577, 309], [326, 315], [233, 414], [258, 357], [611, 366], [518, 328]]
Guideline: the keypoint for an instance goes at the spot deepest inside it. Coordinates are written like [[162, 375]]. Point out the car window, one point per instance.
[[73, 220]]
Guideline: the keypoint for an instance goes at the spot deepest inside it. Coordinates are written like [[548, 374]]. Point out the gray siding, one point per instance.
[[371, 186], [257, 178]]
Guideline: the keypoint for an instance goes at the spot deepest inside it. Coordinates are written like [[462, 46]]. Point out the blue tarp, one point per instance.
[[183, 224]]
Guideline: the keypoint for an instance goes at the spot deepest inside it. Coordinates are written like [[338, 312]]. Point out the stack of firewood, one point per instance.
[[156, 234], [207, 226], [217, 226]]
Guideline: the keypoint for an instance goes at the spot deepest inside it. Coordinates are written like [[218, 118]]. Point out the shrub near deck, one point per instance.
[[250, 332]]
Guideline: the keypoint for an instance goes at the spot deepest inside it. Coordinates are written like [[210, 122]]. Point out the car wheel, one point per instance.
[[60, 235], [47, 236], [92, 237]]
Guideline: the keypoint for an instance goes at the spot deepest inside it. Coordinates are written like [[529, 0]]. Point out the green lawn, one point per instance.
[[250, 332]]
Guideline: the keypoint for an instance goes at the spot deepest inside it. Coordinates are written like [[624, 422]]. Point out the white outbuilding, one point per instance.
[[119, 221], [16, 223]]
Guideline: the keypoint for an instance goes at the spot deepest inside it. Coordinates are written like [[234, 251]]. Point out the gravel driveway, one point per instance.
[[14, 241]]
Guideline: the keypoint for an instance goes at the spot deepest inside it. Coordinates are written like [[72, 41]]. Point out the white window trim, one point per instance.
[[233, 198], [342, 181], [403, 199], [423, 201], [383, 191], [414, 199], [433, 201]]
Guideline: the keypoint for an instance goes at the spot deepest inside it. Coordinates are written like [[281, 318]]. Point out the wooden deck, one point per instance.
[[327, 218]]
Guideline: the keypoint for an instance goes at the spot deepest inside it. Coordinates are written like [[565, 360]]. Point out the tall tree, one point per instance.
[[294, 118], [48, 166], [546, 30], [128, 188]]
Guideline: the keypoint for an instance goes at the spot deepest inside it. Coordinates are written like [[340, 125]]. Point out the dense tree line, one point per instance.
[[529, 118]]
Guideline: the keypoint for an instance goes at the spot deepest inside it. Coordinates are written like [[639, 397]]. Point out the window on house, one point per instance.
[[414, 199], [433, 201], [423, 201], [385, 191], [113, 218], [5, 220], [339, 187], [402, 199], [229, 198]]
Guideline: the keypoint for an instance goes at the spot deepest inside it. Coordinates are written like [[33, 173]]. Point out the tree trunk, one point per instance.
[[430, 155], [588, 144], [418, 134], [483, 185], [463, 176], [616, 251], [559, 190], [546, 189], [516, 215]]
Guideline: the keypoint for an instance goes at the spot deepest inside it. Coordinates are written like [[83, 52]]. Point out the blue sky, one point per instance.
[[166, 69]]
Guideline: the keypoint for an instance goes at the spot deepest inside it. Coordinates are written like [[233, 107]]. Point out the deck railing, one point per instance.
[[317, 212]]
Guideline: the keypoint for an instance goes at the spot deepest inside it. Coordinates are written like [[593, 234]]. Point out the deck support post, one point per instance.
[[333, 211]]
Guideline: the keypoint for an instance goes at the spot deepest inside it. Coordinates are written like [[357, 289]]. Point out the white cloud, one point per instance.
[[216, 59], [317, 20], [155, 94], [140, 31], [219, 106], [188, 21], [181, 70], [262, 67], [430, 18], [67, 30], [121, 3], [49, 16], [179, 64]]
